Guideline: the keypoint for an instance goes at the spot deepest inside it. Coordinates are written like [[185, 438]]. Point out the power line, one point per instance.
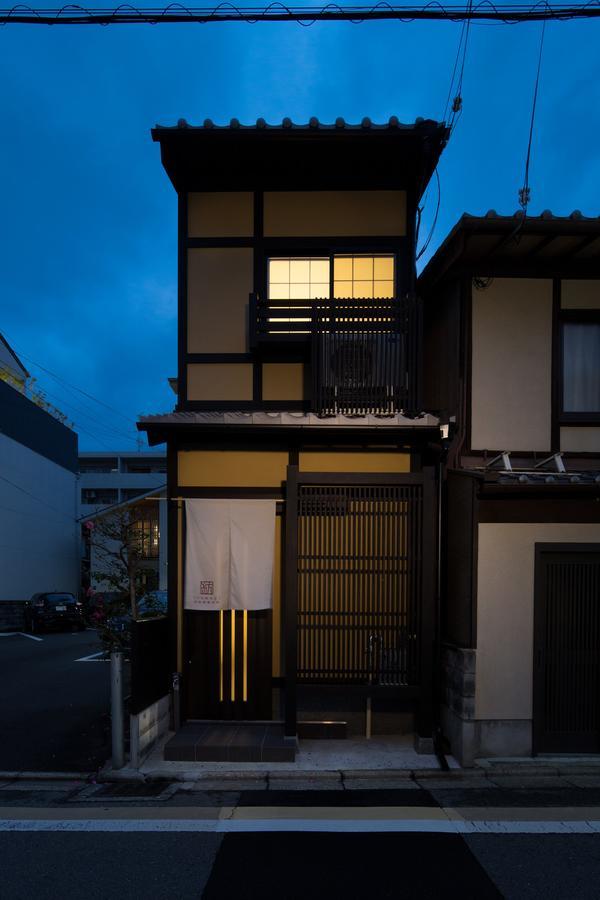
[[525, 191], [68, 384], [38, 499], [175, 13]]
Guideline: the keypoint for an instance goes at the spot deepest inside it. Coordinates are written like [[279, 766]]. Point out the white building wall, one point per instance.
[[39, 544]]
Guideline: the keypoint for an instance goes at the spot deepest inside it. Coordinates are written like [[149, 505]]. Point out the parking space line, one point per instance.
[[93, 657], [32, 637]]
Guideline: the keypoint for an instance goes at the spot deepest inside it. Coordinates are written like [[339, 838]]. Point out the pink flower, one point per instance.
[[89, 525]]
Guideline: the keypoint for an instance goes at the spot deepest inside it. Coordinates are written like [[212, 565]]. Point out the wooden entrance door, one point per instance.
[[228, 664], [566, 688]]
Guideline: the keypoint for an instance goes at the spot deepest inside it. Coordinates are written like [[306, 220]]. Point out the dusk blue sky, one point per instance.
[[88, 243]]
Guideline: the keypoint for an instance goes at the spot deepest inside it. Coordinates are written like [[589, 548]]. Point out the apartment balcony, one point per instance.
[[363, 354]]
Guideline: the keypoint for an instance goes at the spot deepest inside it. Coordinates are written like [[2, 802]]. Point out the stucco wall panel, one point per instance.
[[580, 440], [232, 468], [582, 293], [322, 213], [512, 365], [283, 381], [221, 214], [318, 461], [505, 596], [220, 381], [219, 282]]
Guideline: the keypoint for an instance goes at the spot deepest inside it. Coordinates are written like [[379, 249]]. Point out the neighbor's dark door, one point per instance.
[[566, 685], [228, 664]]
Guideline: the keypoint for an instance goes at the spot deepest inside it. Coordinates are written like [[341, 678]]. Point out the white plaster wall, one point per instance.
[[505, 585], [39, 544], [512, 365]]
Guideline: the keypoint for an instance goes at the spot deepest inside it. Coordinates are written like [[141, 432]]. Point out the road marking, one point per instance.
[[31, 637], [92, 657], [223, 820]]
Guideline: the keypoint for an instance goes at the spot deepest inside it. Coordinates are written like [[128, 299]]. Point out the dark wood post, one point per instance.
[[428, 590], [290, 617]]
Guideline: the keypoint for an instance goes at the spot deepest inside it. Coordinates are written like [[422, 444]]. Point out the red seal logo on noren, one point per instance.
[[207, 588]]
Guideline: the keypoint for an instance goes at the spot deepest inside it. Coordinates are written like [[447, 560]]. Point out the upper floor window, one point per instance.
[[341, 276], [581, 366]]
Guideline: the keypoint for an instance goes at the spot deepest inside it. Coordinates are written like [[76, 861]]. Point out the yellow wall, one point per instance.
[[219, 282], [317, 461], [580, 440], [220, 381], [232, 468], [505, 585], [512, 365], [580, 294], [221, 214], [283, 381], [316, 213]]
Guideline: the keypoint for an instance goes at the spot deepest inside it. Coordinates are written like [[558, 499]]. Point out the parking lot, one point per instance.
[[54, 697]]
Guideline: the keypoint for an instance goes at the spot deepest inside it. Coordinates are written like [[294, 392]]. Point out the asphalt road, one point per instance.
[[60, 856], [54, 709]]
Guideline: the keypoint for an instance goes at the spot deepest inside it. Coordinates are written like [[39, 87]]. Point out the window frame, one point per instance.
[[580, 317], [302, 251]]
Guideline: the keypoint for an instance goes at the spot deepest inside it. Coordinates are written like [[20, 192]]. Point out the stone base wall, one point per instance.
[[472, 738], [12, 615]]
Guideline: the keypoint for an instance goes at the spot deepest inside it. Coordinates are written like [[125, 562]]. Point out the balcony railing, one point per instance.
[[363, 352]]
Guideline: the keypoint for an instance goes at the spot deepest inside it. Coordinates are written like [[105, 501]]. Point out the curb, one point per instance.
[[46, 776]]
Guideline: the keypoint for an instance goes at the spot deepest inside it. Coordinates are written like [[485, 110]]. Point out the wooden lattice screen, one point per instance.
[[359, 583]]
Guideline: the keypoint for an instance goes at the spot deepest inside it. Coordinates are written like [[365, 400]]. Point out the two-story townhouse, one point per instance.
[[512, 364], [301, 470]]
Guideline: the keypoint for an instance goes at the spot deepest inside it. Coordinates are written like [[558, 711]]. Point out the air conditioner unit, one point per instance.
[[359, 374]]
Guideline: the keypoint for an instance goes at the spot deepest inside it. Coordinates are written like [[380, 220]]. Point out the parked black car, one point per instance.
[[53, 610]]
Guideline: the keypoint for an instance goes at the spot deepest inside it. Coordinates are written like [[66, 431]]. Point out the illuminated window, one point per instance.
[[363, 277], [357, 277], [299, 278]]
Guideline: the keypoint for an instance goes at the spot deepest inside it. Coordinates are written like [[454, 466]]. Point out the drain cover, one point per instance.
[[135, 789]]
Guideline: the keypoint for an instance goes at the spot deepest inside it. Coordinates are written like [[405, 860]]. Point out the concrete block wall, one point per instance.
[[12, 615]]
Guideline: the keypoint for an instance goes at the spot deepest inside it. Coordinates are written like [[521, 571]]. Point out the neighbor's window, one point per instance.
[[309, 278], [581, 366]]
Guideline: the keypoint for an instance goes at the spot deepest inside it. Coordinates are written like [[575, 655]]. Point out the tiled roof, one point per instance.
[[313, 124], [544, 244], [294, 419]]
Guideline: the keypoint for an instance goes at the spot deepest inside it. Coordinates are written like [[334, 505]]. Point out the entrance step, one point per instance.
[[230, 742]]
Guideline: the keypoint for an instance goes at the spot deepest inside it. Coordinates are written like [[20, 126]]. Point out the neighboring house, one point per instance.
[[512, 364], [38, 496], [115, 481], [299, 383], [112, 532]]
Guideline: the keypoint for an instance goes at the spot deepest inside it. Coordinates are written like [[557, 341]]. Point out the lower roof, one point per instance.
[[159, 427], [543, 246]]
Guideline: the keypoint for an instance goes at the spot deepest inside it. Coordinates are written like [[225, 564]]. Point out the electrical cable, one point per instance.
[[525, 191], [74, 387], [485, 10], [435, 217], [38, 499]]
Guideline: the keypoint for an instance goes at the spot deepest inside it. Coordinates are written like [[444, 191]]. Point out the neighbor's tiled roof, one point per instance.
[[491, 240]]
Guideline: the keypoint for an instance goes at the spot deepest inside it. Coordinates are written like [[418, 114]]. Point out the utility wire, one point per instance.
[[58, 378], [306, 16], [38, 499], [525, 191], [435, 217]]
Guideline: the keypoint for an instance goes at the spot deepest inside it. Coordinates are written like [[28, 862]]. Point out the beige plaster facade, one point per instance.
[[512, 365], [505, 596]]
